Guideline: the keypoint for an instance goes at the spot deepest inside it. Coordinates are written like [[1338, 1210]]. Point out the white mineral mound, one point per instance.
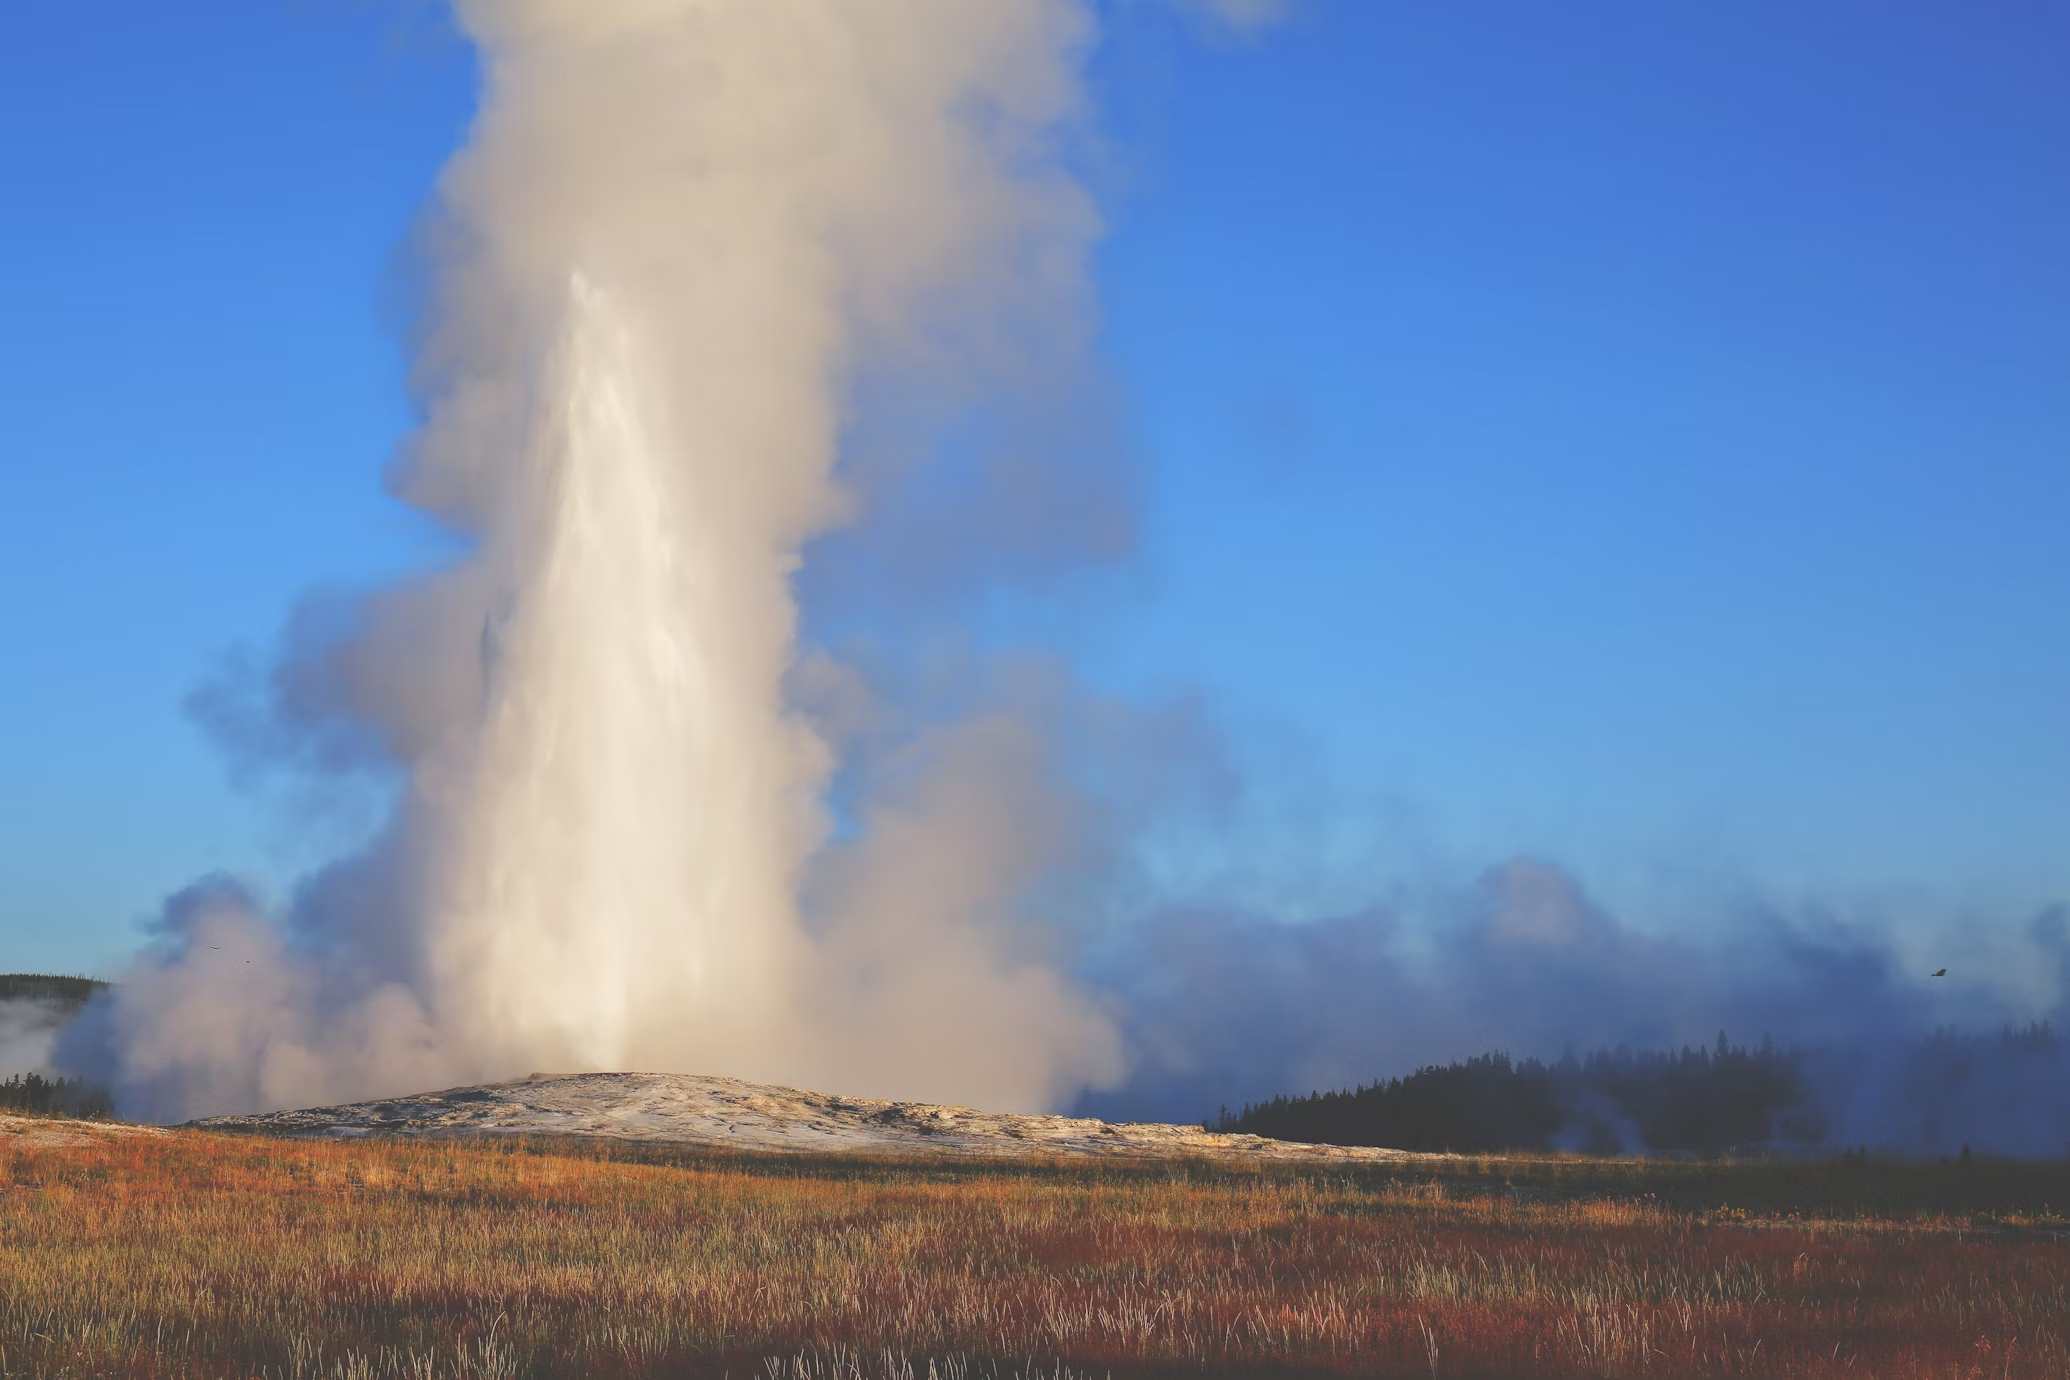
[[725, 1112]]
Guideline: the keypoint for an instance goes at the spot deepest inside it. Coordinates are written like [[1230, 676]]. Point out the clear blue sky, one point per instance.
[[1636, 435]]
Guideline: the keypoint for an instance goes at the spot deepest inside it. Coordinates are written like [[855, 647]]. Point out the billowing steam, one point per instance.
[[677, 230], [1227, 1008], [28, 1029]]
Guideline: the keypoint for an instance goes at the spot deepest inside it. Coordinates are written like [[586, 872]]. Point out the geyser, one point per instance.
[[616, 838], [677, 227]]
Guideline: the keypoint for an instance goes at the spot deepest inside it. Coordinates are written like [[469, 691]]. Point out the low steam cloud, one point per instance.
[[1228, 1008], [29, 1030]]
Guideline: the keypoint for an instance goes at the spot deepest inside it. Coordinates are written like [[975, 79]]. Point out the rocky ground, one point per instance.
[[724, 1112], [40, 1132]]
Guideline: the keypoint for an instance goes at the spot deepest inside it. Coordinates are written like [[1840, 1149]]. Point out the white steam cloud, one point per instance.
[[677, 233], [28, 1030]]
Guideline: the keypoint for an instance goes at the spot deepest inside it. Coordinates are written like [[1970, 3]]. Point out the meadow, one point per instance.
[[196, 1254]]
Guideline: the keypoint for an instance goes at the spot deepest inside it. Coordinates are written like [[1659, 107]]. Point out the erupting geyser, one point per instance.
[[619, 847], [677, 227]]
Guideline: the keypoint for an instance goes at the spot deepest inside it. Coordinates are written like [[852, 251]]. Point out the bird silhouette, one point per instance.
[[1942, 973]]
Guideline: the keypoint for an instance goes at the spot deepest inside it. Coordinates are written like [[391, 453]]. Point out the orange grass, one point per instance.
[[209, 1255]]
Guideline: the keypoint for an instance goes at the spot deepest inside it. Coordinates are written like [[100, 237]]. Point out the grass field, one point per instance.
[[210, 1255]]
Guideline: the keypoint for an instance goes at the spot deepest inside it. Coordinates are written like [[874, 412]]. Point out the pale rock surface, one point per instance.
[[43, 1133], [727, 1113]]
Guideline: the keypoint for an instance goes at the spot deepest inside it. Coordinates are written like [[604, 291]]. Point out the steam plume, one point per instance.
[[677, 228]]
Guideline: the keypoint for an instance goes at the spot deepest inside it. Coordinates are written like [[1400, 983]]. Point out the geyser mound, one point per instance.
[[726, 1113]]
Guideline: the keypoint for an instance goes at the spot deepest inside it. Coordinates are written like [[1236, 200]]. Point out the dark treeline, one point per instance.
[[54, 1096], [49, 989], [1690, 1101]]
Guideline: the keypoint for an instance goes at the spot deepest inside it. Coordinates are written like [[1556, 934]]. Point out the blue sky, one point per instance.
[[1637, 436]]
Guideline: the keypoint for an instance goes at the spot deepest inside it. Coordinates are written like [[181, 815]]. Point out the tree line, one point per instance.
[[49, 988], [1697, 1101], [32, 1092]]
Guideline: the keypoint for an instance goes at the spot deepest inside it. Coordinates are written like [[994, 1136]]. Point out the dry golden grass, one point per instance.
[[210, 1255]]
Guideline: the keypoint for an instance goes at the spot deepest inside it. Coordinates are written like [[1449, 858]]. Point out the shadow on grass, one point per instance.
[[2013, 1194]]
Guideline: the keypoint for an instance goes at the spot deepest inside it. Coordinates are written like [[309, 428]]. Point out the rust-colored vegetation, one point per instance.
[[209, 1255]]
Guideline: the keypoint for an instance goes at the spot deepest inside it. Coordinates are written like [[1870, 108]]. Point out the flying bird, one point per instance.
[[1942, 973]]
